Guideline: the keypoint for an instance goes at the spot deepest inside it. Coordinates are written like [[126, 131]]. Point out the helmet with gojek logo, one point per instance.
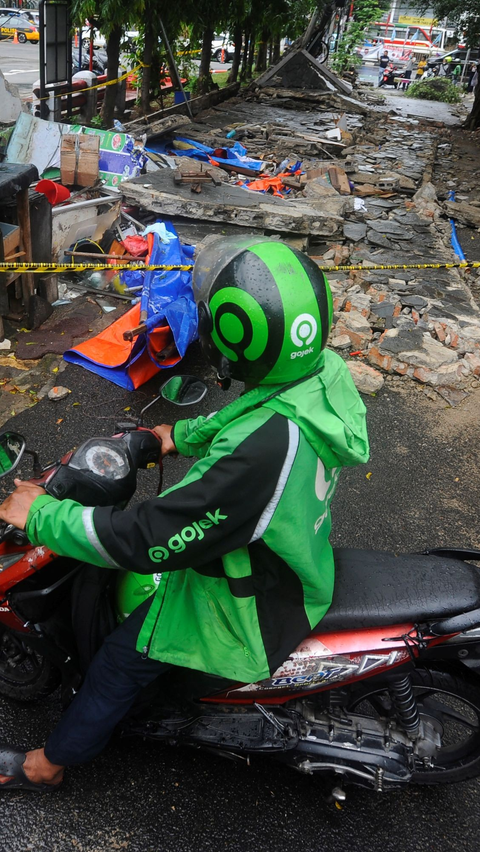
[[264, 310]]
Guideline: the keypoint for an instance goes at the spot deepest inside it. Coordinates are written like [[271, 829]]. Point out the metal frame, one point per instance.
[[55, 50]]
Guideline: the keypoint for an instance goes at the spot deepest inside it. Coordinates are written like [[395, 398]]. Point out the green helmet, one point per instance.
[[264, 310]]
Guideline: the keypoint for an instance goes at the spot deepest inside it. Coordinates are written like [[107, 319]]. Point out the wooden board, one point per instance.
[[79, 159]]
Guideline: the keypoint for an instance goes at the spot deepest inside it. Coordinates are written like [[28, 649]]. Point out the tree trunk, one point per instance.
[[261, 64], [113, 59], [246, 41], [237, 40], [251, 55], [473, 119], [204, 78], [276, 51], [148, 43]]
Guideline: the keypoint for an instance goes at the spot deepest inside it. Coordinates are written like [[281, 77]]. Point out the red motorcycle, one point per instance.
[[385, 692], [390, 76]]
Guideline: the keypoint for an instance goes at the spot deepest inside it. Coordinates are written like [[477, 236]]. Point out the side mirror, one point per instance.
[[183, 390], [12, 448]]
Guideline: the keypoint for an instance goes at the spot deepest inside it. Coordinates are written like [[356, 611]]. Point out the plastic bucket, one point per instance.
[[54, 192]]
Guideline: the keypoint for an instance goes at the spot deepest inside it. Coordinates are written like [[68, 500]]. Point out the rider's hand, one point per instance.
[[16, 507], [164, 432]]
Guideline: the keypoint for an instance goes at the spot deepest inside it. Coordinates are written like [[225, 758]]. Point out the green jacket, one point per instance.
[[242, 540]]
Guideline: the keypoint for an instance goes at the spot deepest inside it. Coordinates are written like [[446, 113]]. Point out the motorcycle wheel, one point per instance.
[[452, 701], [24, 674]]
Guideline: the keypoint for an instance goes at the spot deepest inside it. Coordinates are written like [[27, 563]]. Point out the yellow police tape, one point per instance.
[[99, 85], [42, 268]]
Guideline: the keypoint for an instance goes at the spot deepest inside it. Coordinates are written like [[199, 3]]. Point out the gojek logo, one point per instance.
[[178, 542], [303, 332]]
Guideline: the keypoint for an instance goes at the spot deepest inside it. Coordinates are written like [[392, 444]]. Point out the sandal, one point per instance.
[[11, 764]]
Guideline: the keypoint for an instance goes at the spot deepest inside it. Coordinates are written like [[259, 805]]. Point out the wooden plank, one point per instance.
[[23, 213], [339, 180], [463, 212]]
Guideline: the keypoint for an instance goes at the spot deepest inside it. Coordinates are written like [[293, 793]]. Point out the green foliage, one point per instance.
[[96, 121], [435, 89], [365, 12]]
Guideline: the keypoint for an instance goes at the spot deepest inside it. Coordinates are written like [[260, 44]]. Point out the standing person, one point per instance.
[[382, 64], [407, 73], [456, 73], [474, 83], [471, 74], [243, 539], [422, 64]]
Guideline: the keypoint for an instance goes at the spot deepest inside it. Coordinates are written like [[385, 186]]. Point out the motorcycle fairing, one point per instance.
[[326, 659]]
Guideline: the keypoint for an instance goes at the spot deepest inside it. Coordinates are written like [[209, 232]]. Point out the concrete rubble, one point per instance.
[[350, 185], [418, 323]]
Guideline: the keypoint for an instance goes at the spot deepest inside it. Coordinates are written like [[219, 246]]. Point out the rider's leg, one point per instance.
[[114, 679]]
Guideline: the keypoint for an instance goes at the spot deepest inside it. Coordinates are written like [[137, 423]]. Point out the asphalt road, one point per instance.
[[19, 64], [142, 797]]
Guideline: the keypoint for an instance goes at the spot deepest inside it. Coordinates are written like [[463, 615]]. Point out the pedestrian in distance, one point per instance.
[[382, 64], [471, 75], [422, 64], [456, 73], [407, 74]]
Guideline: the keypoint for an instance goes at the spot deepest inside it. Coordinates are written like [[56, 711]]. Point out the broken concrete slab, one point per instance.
[[390, 228], [227, 203], [354, 231]]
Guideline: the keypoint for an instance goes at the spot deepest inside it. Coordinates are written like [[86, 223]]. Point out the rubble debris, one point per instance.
[[228, 203], [58, 392], [453, 396], [463, 212], [366, 379]]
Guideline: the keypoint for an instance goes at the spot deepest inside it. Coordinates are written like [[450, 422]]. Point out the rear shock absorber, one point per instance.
[[404, 702]]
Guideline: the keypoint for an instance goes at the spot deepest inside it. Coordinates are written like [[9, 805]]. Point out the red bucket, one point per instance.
[[54, 192]]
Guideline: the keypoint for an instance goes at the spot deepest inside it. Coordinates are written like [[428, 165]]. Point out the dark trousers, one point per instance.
[[114, 679], [407, 75]]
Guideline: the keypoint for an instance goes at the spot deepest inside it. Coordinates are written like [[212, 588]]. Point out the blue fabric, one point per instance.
[[168, 294], [235, 155]]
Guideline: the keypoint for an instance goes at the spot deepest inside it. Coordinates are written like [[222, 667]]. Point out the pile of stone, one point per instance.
[[364, 199]]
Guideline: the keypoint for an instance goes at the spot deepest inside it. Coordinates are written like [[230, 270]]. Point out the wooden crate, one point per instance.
[[11, 238], [79, 156]]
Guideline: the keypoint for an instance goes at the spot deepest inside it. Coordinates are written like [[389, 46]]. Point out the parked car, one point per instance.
[[459, 54], [223, 50], [99, 40], [11, 24], [30, 14]]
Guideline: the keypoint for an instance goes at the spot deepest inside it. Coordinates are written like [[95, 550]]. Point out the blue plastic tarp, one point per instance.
[[237, 155], [167, 295]]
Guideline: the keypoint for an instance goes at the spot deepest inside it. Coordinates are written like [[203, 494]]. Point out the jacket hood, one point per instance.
[[327, 409]]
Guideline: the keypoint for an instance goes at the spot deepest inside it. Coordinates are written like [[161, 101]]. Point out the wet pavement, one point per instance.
[[141, 797]]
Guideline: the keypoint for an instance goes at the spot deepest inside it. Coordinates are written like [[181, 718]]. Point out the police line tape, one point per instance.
[[43, 268], [97, 86]]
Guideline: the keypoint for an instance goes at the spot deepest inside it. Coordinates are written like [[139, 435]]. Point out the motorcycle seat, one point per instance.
[[375, 589]]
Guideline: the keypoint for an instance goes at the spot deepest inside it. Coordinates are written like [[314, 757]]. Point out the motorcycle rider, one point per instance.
[[242, 540]]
